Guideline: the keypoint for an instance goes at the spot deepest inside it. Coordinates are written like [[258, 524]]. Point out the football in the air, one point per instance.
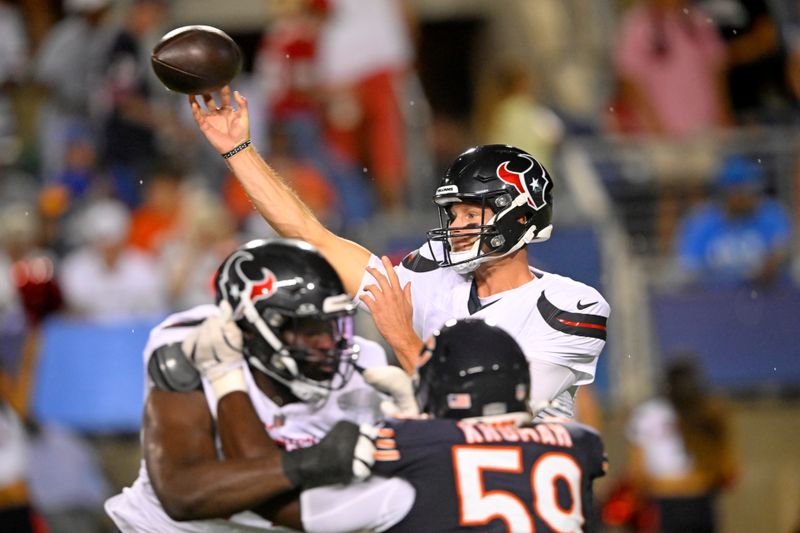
[[196, 59]]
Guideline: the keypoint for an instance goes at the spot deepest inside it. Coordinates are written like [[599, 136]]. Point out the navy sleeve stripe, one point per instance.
[[580, 324]]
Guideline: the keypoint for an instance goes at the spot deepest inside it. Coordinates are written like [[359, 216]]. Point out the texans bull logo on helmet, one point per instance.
[[253, 289], [526, 181], [261, 290]]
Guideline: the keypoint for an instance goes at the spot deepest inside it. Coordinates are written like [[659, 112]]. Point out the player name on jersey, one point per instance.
[[544, 433]]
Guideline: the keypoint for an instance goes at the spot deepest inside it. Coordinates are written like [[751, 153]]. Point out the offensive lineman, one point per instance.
[[493, 201], [282, 333], [480, 465]]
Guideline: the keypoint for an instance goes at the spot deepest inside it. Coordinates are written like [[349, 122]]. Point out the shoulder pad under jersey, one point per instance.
[[170, 370], [415, 262]]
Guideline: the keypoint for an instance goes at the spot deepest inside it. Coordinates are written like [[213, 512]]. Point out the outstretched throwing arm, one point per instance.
[[227, 127]]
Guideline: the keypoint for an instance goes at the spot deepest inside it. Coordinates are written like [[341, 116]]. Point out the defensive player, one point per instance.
[[493, 201], [282, 333], [480, 465]]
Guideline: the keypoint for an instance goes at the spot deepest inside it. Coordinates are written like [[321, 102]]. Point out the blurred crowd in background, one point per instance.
[[113, 209]]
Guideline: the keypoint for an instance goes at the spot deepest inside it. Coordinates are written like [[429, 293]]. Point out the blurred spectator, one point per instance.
[[67, 66], [41, 467], [365, 51], [287, 67], [105, 278], [154, 220], [304, 178], [740, 237], [32, 268], [189, 261], [302, 175], [236, 200], [671, 65], [78, 182], [12, 319], [16, 185], [756, 57], [255, 227], [450, 135], [13, 61], [682, 452], [16, 513], [515, 116], [80, 165], [16, 340], [129, 117], [791, 36], [65, 481]]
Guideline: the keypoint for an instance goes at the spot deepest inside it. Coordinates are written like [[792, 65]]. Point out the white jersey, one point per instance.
[[555, 319], [294, 425]]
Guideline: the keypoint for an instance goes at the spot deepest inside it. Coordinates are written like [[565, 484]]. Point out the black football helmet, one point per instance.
[[475, 369], [279, 289], [510, 182]]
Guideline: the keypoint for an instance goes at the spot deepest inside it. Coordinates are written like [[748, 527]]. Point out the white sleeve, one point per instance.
[[375, 505], [420, 291], [549, 380], [367, 279], [371, 354]]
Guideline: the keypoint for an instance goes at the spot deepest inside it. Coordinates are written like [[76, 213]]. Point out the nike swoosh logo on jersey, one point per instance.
[[491, 303], [581, 306], [580, 324]]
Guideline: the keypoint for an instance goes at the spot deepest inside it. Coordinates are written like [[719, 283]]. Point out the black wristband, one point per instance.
[[237, 149]]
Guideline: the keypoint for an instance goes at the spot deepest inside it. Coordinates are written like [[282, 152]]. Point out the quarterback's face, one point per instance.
[[463, 218]]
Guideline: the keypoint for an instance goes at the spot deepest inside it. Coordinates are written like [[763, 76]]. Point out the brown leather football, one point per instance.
[[196, 59]]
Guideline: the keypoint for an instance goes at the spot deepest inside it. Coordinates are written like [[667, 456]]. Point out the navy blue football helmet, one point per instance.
[[474, 369]]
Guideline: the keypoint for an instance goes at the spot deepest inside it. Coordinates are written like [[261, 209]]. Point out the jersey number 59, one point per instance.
[[479, 506]]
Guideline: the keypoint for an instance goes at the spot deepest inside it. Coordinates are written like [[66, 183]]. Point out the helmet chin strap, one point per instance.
[[471, 266], [468, 266]]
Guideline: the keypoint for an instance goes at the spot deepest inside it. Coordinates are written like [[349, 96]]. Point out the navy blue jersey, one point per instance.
[[487, 477]]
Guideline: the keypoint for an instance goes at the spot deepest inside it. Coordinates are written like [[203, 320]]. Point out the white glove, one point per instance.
[[364, 452], [215, 350], [396, 383]]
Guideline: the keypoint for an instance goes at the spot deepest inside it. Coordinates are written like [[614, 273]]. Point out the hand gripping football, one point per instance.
[[196, 59]]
